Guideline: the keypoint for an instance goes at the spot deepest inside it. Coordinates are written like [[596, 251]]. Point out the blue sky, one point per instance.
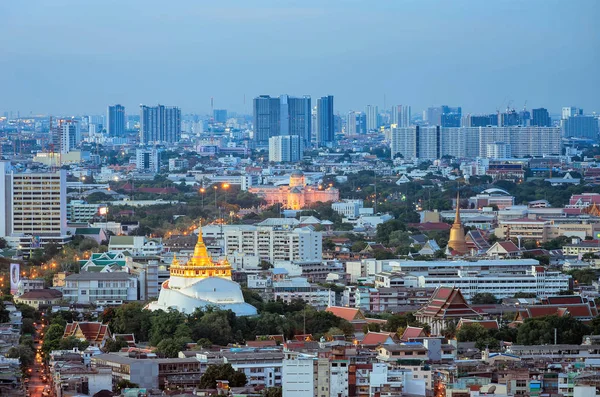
[[75, 57]]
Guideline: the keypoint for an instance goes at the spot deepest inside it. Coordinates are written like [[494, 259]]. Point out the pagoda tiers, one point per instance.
[[200, 266]]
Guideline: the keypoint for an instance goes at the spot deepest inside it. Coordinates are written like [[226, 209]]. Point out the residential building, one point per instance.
[[178, 164], [147, 160], [136, 245], [262, 369], [570, 111], [349, 208], [401, 116], [540, 118], [581, 127], [301, 376], [220, 116], [160, 124], [486, 120], [373, 119], [325, 125], [299, 288], [266, 119], [285, 115], [285, 148], [80, 211], [102, 289], [70, 136], [33, 208], [40, 297], [116, 120], [356, 123]]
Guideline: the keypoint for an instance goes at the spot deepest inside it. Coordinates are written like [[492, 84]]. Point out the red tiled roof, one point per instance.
[[412, 332], [42, 294], [447, 302], [430, 226], [347, 313], [376, 338], [508, 246], [303, 337], [564, 300], [261, 343], [92, 331], [487, 324]]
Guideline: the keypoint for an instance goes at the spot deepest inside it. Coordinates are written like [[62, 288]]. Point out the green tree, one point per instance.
[[72, 342], [484, 298], [222, 372], [24, 353], [171, 347], [125, 384], [27, 326], [3, 243], [115, 345], [273, 392], [4, 314], [52, 338], [471, 333], [540, 330]]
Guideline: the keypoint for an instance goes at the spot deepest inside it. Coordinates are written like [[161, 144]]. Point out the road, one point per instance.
[[36, 383]]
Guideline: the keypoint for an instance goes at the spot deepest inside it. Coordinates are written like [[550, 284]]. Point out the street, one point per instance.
[[38, 374]]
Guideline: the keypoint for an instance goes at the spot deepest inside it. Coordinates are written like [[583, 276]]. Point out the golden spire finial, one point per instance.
[[175, 262], [457, 216]]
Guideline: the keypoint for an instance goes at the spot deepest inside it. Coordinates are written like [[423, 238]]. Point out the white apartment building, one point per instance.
[[32, 207], [80, 211], [338, 378], [147, 160], [114, 288], [299, 288], [305, 375], [275, 244], [136, 245], [537, 280], [70, 135], [178, 164], [260, 368], [285, 148]]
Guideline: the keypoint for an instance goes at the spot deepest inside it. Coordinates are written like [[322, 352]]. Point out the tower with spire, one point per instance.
[[457, 240]]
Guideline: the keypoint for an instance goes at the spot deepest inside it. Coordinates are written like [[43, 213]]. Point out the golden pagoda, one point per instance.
[[457, 240], [200, 264]]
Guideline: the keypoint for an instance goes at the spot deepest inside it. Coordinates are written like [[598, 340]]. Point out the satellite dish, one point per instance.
[[491, 390]]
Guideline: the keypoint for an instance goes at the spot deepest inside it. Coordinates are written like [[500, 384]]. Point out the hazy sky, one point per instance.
[[77, 56]]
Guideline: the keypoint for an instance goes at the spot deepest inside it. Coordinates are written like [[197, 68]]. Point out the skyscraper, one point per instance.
[[325, 128], [356, 123], [372, 118], [540, 118], [160, 124], [67, 136], [116, 120], [285, 115], [401, 115], [444, 116], [580, 127], [220, 115], [570, 111], [266, 119], [147, 160]]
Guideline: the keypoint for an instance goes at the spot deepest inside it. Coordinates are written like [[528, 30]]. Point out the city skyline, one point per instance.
[[547, 44]]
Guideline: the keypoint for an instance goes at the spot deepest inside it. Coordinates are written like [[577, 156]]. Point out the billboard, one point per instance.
[[14, 277]]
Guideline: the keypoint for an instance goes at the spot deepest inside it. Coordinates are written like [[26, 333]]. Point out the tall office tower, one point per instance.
[[373, 121], [69, 135], [285, 148], [299, 117], [444, 116], [401, 115], [325, 126], [314, 126], [509, 119], [580, 127], [540, 118], [356, 123], [160, 124], [33, 206], [116, 120], [220, 116], [481, 120], [571, 111], [147, 160], [266, 119]]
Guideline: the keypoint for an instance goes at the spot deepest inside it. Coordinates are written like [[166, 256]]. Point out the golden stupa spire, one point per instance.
[[201, 257], [457, 235]]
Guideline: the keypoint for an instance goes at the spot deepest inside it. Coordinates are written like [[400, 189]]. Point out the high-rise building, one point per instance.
[[481, 120], [356, 123], [299, 117], [33, 207], [540, 118], [160, 124], [285, 148], [147, 160], [509, 119], [373, 120], [444, 116], [570, 111], [116, 120], [69, 135], [469, 142], [285, 115], [325, 125], [220, 115], [525, 118], [580, 127]]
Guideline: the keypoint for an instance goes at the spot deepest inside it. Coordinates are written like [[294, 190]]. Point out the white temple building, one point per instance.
[[201, 283]]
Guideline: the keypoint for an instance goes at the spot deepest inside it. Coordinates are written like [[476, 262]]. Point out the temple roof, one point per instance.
[[447, 302]]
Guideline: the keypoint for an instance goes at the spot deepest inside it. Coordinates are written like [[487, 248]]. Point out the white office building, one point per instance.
[[147, 160], [348, 208], [136, 245], [70, 135]]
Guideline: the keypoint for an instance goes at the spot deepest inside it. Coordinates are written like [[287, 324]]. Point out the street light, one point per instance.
[[202, 191], [215, 187]]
